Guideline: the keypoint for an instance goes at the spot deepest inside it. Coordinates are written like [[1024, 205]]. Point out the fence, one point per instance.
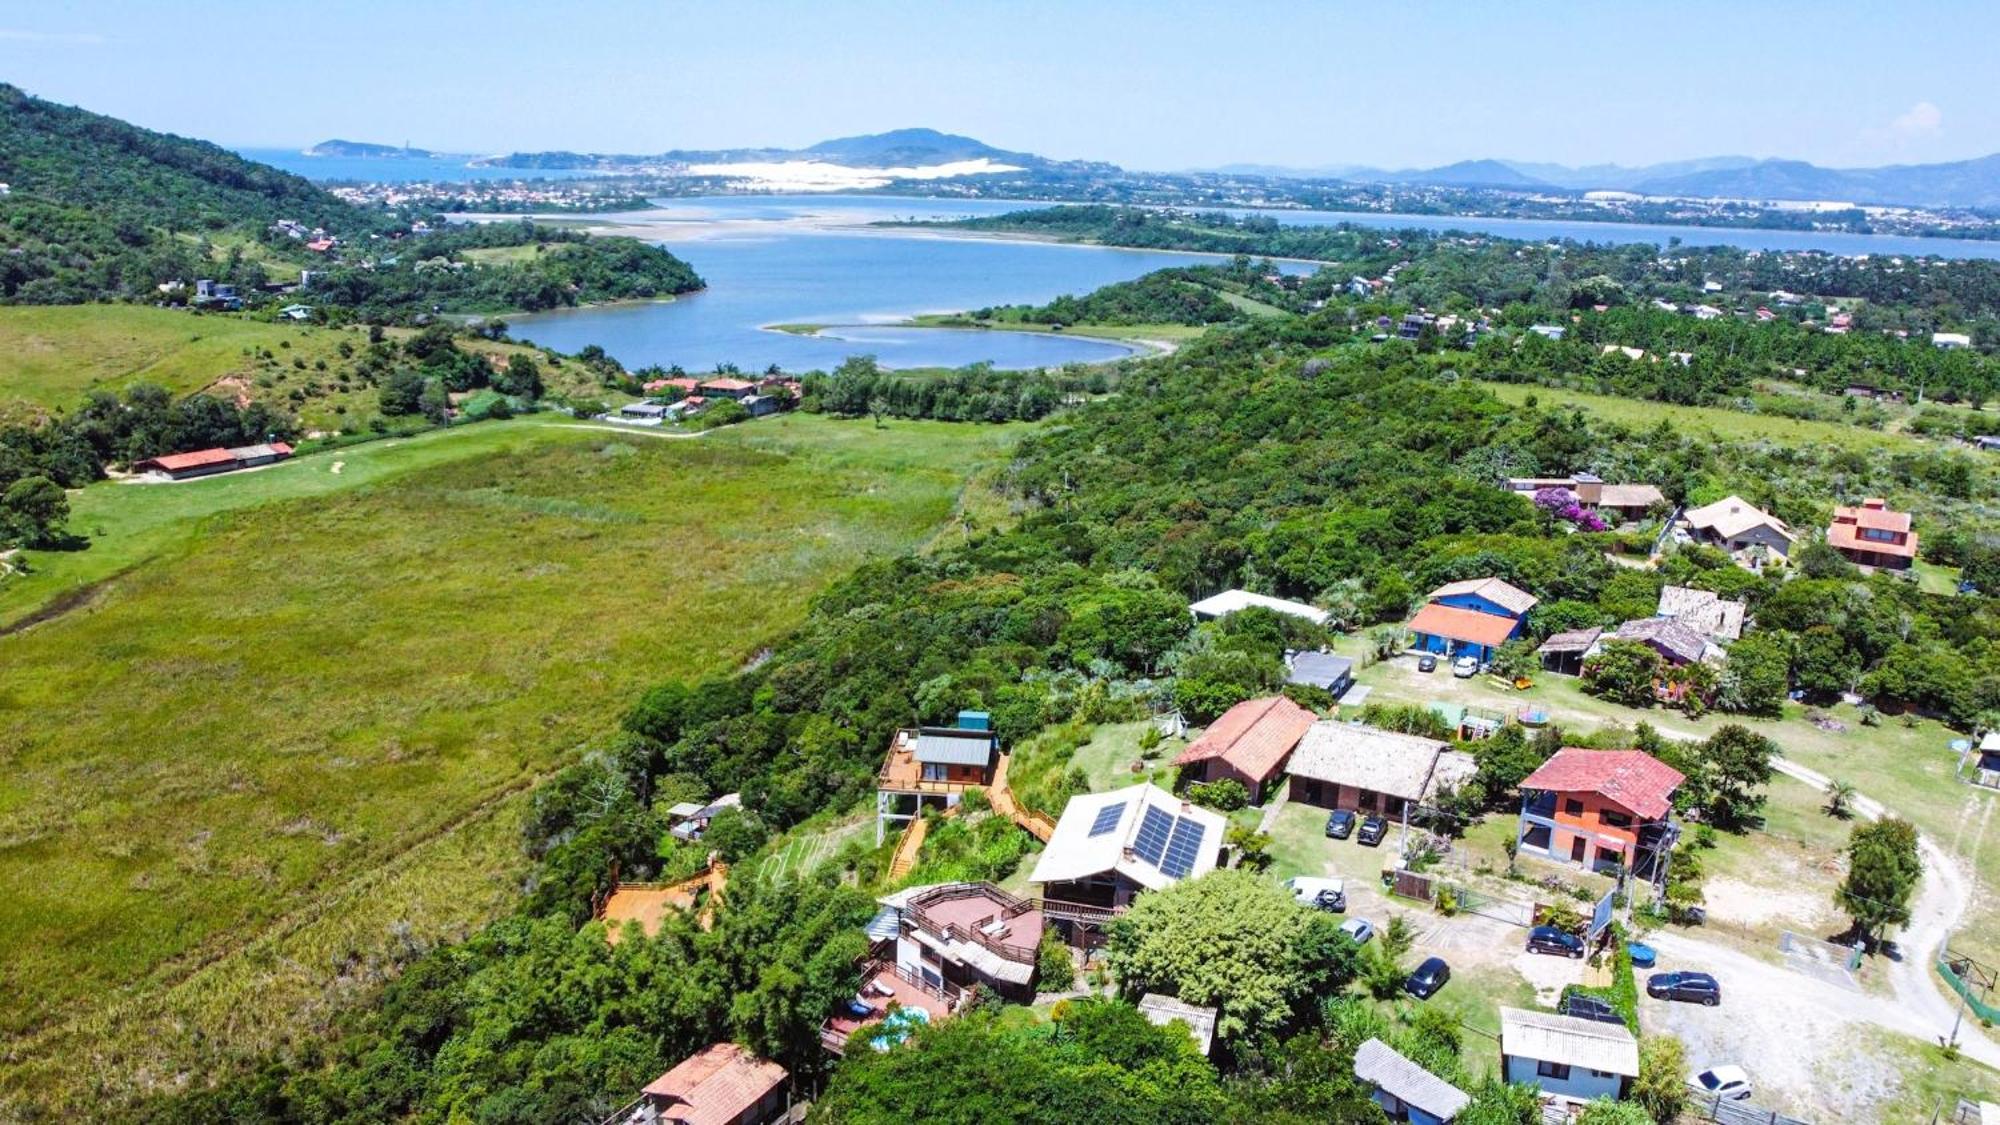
[[1826, 960], [1973, 981], [1712, 1107], [1409, 884], [1515, 912]]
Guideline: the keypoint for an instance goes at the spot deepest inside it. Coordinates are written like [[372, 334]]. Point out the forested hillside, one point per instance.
[[1282, 454], [99, 209]]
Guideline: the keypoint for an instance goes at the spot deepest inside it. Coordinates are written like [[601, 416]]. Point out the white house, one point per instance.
[[1566, 1056], [1950, 340], [1230, 601]]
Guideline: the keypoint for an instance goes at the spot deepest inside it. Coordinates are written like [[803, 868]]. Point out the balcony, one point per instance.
[[1090, 914], [902, 773]]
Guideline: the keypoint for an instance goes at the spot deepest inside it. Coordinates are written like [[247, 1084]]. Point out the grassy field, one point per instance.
[[1717, 422], [263, 748], [1130, 333], [51, 357]]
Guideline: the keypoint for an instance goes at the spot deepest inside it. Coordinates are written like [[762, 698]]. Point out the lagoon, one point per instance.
[[793, 260]]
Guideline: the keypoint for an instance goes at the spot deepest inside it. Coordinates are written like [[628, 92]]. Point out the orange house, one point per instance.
[[1604, 810]]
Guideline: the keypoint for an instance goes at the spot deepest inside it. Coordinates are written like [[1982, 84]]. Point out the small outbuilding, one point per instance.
[[1164, 1010], [1231, 601], [1563, 652], [1404, 1090], [1567, 1056]]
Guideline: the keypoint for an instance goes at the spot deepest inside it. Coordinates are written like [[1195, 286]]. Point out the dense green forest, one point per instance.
[[562, 268], [1282, 454], [99, 209]]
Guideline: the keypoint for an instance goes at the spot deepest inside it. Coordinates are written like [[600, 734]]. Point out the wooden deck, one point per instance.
[[648, 903]]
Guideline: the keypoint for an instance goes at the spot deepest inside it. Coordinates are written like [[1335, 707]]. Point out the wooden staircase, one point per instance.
[[1002, 799]]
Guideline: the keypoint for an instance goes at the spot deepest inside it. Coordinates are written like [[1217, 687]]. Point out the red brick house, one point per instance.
[[1250, 743], [1604, 810]]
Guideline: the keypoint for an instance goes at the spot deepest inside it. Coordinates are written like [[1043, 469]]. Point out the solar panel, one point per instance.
[[1107, 818], [1153, 831], [1182, 848]]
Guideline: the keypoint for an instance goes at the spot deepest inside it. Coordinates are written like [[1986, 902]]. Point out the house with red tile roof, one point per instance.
[[723, 1084], [1873, 535], [1604, 810], [204, 462], [728, 388], [1250, 743]]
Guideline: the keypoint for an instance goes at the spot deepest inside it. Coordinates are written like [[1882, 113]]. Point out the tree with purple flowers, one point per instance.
[[1563, 505]]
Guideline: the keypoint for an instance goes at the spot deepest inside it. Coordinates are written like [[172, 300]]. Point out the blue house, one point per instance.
[[1471, 618]]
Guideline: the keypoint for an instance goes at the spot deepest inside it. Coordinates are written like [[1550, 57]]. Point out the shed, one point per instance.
[[1163, 1010], [1404, 1090], [1564, 652], [1565, 1055], [1321, 670]]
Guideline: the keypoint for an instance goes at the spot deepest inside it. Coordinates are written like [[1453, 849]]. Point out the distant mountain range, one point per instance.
[[1963, 183], [898, 148]]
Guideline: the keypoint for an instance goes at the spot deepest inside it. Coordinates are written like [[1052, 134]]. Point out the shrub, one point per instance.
[[1054, 970], [1223, 794]]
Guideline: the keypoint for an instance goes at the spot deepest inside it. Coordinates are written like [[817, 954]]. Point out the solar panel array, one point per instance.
[[1154, 829], [1182, 847], [1107, 818]]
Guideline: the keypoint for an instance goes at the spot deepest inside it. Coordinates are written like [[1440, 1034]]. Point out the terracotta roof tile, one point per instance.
[[1463, 624], [1633, 778], [1253, 737]]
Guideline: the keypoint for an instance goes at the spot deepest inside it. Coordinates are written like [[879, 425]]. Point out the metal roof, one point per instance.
[[1548, 1037], [941, 746], [1320, 669], [1383, 1067]]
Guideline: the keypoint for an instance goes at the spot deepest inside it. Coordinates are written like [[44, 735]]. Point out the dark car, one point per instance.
[[1698, 988], [1340, 824], [1429, 977], [1333, 902], [1589, 1008], [1548, 939], [1372, 831], [1427, 663]]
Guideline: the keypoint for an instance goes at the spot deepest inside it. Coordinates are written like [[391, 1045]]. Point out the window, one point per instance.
[[1536, 837], [1555, 1070], [1614, 818], [1573, 806], [934, 771]]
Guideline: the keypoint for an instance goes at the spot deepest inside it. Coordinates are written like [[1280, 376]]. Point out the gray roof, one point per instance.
[[942, 746], [1548, 1037], [1499, 591], [1384, 1068], [1673, 639], [1319, 669], [1401, 765], [1164, 1010], [1575, 640], [1704, 611]]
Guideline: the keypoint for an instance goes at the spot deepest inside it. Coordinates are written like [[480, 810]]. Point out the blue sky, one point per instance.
[[1147, 85]]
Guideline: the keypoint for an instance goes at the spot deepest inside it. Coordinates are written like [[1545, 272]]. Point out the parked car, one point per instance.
[[1549, 939], [1429, 977], [1329, 895], [1427, 663], [1340, 824], [1372, 831], [1360, 929], [1698, 988], [1730, 1083], [1590, 1008], [1465, 667]]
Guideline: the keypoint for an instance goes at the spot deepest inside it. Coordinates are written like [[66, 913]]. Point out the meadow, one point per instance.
[[51, 357], [1719, 422], [292, 736]]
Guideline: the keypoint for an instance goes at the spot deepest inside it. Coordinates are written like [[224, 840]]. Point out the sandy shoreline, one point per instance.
[[672, 226]]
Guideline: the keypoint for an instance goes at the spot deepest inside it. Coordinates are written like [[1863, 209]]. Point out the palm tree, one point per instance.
[[1839, 799]]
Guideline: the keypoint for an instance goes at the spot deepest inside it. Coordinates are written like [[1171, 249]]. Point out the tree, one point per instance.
[[1230, 940], [1755, 678], [402, 392], [1496, 1102], [1839, 799], [1661, 1087], [1734, 766], [522, 377], [33, 511], [1883, 867], [1055, 971], [1624, 672], [1253, 848]]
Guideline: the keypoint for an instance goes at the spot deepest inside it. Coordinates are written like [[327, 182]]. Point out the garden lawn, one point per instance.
[[292, 702], [1718, 422], [1107, 758]]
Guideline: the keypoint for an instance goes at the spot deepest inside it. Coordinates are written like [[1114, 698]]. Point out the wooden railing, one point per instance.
[[1089, 913]]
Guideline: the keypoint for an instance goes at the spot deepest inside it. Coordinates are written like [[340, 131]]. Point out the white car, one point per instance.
[[1308, 891], [1359, 929], [1465, 667], [1729, 1083]]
